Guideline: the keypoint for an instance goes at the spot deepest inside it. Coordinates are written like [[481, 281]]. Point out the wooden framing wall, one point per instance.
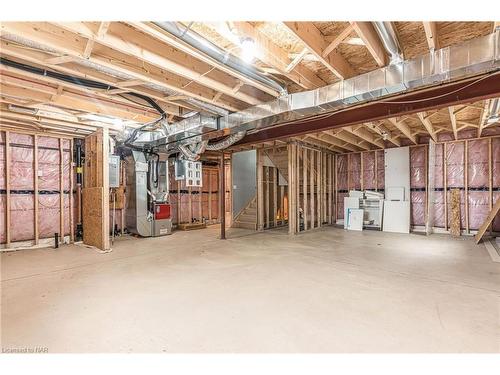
[[192, 204], [311, 173], [446, 187], [95, 193], [38, 237]]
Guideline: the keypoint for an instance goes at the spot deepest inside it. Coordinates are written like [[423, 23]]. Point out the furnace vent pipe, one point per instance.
[[389, 39], [197, 41]]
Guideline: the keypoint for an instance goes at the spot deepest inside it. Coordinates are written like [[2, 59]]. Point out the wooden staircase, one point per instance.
[[247, 218], [280, 160]]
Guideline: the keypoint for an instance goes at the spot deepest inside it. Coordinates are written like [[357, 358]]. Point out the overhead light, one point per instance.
[[108, 120], [19, 109], [247, 49]]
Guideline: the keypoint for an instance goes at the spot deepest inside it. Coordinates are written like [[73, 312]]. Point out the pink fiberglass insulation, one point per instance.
[[496, 221], [354, 171], [417, 185], [341, 184], [478, 208], [417, 167], [22, 187], [340, 204], [369, 173], [342, 172], [438, 205], [455, 174], [455, 164], [495, 154], [417, 216], [21, 168], [48, 169], [477, 163], [478, 183], [380, 170], [22, 217], [3, 231]]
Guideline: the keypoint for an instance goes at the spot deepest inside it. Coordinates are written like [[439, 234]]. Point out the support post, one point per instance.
[[35, 187], [260, 192], [61, 191], [222, 184], [7, 189]]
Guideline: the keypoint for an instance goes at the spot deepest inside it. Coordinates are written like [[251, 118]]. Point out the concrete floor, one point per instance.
[[324, 291]]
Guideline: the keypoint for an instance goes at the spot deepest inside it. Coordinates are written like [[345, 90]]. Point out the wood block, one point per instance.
[[455, 212], [93, 208], [119, 194], [191, 226], [494, 211]]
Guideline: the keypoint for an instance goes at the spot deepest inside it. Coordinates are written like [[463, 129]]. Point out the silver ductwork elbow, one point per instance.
[[210, 49], [389, 39], [225, 143], [191, 152]]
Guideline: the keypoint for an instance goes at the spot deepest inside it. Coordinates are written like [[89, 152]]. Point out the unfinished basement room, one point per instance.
[[250, 187]]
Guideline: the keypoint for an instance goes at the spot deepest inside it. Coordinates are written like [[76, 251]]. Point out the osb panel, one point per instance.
[[455, 32], [358, 57], [281, 36], [412, 38], [92, 199], [331, 28]]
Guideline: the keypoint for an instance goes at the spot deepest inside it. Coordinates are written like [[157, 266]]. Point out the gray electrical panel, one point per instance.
[[114, 171]]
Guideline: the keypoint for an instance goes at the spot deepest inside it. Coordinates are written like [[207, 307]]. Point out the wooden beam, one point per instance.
[[35, 188], [297, 59], [338, 39], [403, 128], [453, 122], [305, 181], [329, 138], [59, 60], [345, 136], [7, 189], [431, 35], [154, 74], [483, 118], [271, 54], [132, 48], [364, 134], [369, 36], [61, 191], [157, 33], [315, 42], [428, 125]]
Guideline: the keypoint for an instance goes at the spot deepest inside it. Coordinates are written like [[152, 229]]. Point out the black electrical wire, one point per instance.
[[78, 81]]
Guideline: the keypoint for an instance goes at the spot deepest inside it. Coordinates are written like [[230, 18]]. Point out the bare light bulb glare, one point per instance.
[[247, 49]]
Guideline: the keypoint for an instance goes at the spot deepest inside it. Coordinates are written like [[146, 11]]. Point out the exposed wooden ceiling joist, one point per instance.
[[369, 36], [431, 34], [339, 39], [328, 138], [383, 132], [51, 37], [155, 32], [131, 47], [345, 136], [428, 125], [270, 53], [40, 58], [403, 128], [364, 134], [453, 121], [315, 42]]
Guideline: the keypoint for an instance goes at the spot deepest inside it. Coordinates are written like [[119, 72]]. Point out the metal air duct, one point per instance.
[[388, 36], [200, 43]]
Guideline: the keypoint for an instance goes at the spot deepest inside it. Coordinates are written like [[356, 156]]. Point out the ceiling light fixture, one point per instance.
[[247, 49]]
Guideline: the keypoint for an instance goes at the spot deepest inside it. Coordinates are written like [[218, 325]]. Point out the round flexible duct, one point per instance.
[[225, 143]]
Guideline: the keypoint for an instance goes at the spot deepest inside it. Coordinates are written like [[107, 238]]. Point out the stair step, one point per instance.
[[239, 224], [247, 217]]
